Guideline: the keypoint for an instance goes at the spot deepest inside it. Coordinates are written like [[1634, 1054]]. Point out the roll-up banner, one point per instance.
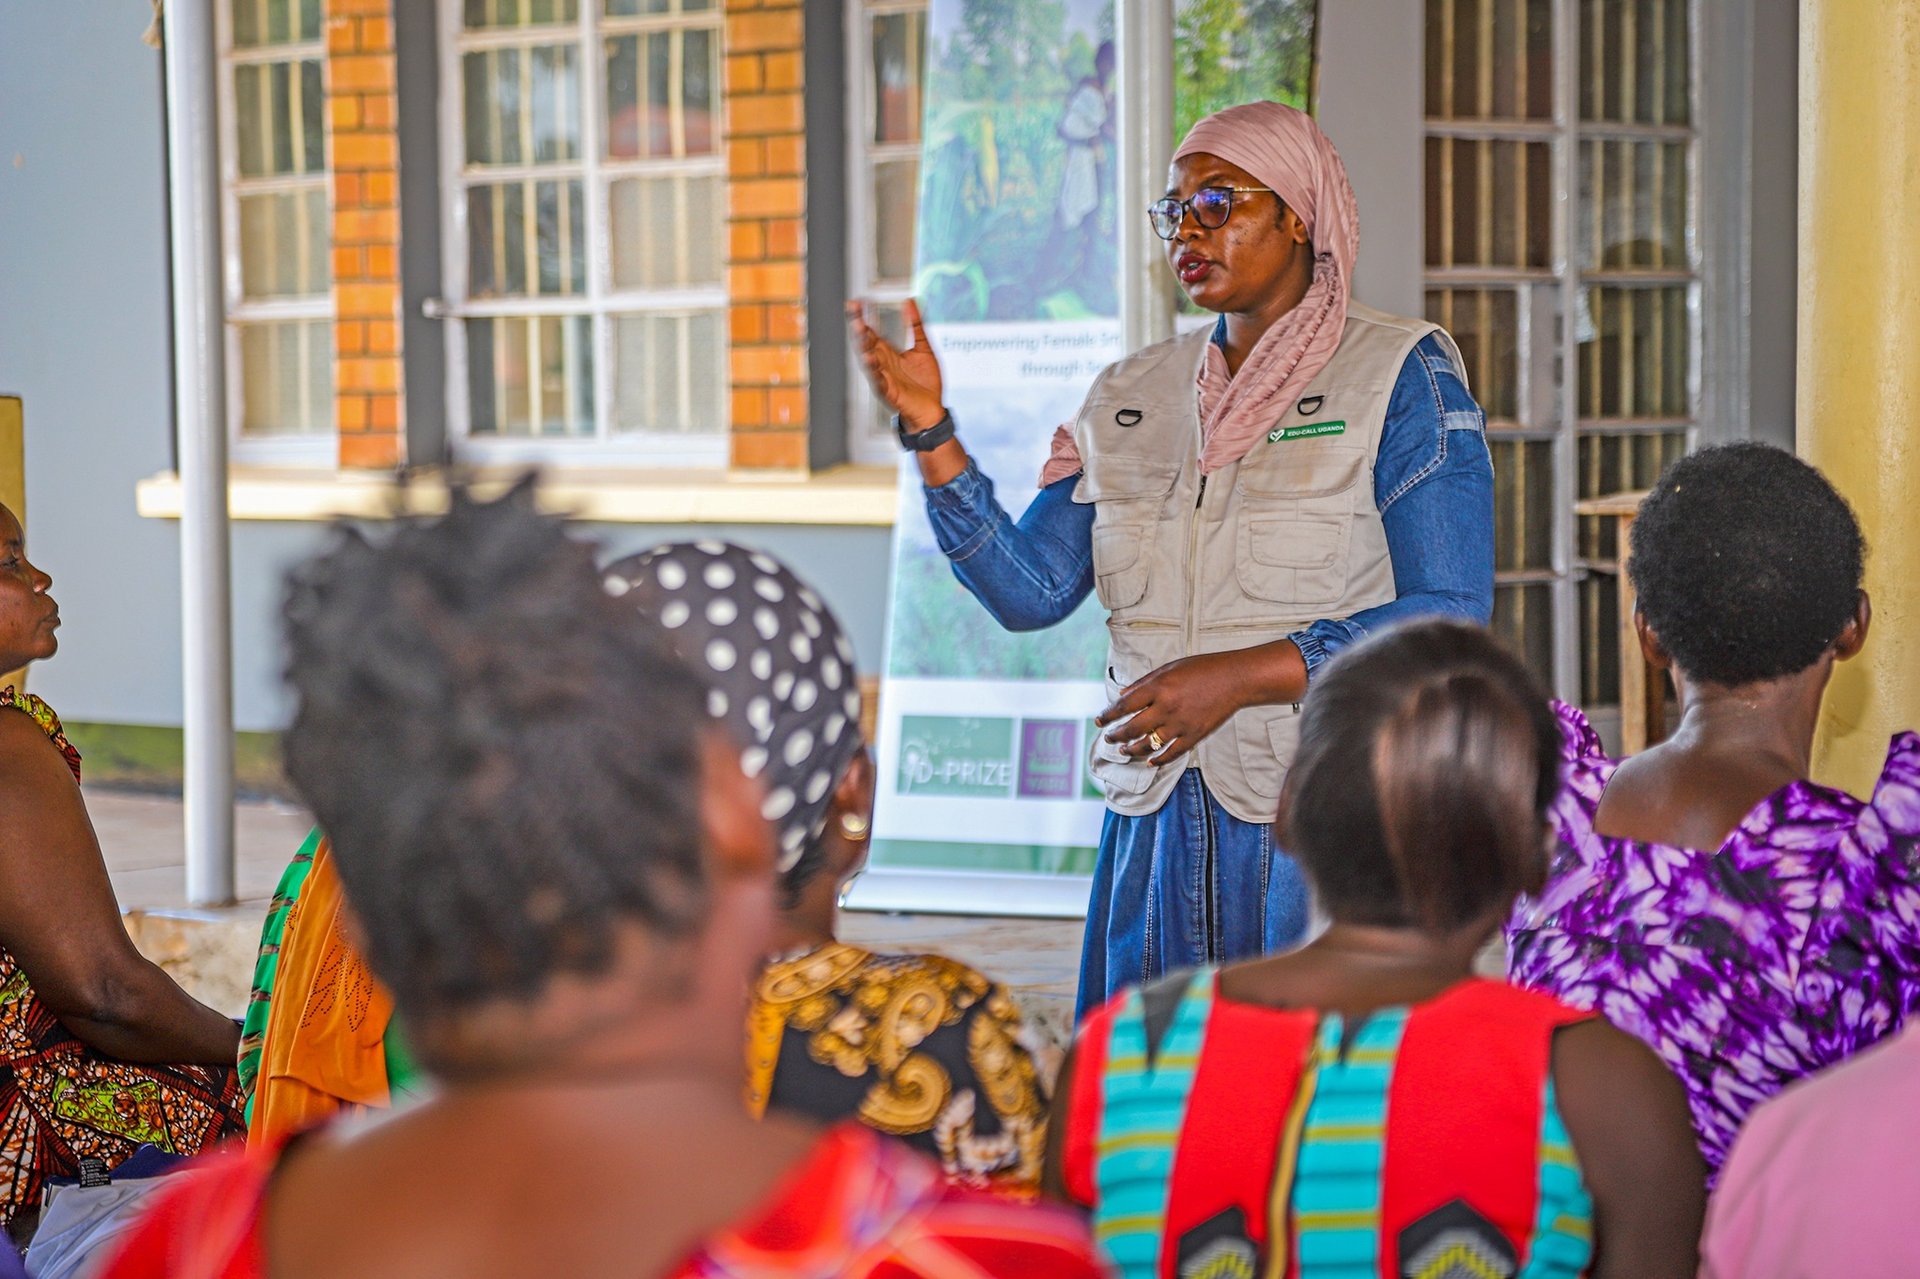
[[985, 804]]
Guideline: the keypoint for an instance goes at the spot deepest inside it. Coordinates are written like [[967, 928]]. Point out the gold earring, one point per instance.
[[854, 826]]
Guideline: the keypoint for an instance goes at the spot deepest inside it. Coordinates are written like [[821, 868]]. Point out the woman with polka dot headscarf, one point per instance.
[[918, 1046]]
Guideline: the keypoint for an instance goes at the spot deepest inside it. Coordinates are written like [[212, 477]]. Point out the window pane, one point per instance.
[[1635, 347], [1635, 68], [1523, 619], [700, 91], [279, 118], [895, 184], [522, 105], [484, 15], [258, 23], [663, 94], [1634, 206], [667, 231], [526, 239], [1523, 513], [899, 64], [531, 376], [669, 373], [1489, 59], [1485, 324], [283, 244], [1489, 203], [286, 376], [650, 8], [1600, 647]]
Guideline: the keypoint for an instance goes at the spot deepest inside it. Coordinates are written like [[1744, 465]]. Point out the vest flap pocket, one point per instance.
[[1300, 541], [1119, 576], [1300, 468], [1126, 479], [1296, 560], [1115, 771]]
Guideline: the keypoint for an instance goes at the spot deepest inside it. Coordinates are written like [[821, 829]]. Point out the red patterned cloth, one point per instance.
[[858, 1207], [61, 1102]]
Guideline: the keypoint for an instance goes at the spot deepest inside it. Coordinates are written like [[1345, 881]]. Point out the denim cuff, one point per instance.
[[1313, 650], [961, 493], [961, 512]]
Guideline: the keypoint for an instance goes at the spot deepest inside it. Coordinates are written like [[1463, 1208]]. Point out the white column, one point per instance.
[[1143, 57], [199, 376]]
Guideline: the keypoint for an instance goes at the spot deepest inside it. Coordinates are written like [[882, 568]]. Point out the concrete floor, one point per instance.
[[211, 951]]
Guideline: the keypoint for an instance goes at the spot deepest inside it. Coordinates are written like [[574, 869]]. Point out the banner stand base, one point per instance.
[[959, 892]]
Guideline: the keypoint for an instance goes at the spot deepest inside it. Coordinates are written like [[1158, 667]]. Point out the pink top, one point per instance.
[[1824, 1179]]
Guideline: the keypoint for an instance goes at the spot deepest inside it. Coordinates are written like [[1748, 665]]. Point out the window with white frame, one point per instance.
[[1562, 253], [887, 64], [586, 212], [278, 279]]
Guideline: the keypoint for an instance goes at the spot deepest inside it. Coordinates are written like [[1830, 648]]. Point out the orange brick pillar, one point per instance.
[[362, 115], [766, 233]]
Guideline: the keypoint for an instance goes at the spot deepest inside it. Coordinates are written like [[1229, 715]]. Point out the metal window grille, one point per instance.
[[1562, 253], [586, 221], [278, 278]]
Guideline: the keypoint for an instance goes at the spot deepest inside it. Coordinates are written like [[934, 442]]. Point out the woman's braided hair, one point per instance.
[[504, 758]]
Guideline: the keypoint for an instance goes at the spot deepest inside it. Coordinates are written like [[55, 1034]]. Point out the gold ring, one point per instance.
[[1153, 740]]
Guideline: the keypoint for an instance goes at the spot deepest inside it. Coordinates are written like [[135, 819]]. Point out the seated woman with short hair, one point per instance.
[[1365, 1105], [1748, 923], [565, 879], [920, 1047], [100, 1051]]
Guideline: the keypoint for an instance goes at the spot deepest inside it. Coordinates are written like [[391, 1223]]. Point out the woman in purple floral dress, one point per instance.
[[1749, 924]]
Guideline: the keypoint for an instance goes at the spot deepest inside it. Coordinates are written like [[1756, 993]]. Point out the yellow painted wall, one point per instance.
[[13, 483], [1859, 323]]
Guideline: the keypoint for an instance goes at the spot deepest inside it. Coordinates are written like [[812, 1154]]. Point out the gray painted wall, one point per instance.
[[1369, 99], [83, 339], [84, 334]]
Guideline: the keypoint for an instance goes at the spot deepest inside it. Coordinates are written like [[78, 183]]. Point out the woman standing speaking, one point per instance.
[[1247, 500]]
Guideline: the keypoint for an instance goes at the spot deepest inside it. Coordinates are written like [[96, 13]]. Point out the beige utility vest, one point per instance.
[[1249, 554]]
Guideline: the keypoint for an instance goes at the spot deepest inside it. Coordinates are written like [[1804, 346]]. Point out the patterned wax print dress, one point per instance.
[[857, 1207], [1214, 1139], [61, 1102], [1789, 948], [919, 1047]]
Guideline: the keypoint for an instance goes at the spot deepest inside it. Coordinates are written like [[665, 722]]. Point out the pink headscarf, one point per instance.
[[1285, 150]]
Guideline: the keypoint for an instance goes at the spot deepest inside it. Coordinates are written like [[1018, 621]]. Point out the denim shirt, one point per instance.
[[1432, 481]]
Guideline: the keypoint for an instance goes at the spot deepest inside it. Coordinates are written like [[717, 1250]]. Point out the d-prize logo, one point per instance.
[[974, 757], [964, 757]]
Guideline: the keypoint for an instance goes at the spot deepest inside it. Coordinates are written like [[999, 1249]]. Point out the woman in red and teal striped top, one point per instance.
[[1365, 1107]]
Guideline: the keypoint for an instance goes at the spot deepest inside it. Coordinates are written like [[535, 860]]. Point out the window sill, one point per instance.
[[845, 496]]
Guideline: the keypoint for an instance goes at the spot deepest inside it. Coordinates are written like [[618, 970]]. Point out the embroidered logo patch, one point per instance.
[[1307, 432]]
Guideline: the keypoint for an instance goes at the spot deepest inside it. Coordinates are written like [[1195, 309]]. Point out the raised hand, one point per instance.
[[908, 382]]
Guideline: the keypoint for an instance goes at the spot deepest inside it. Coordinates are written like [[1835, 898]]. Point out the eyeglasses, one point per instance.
[[1211, 206]]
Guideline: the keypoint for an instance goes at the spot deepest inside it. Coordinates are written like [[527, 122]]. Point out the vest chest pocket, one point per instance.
[[1129, 497], [1295, 525]]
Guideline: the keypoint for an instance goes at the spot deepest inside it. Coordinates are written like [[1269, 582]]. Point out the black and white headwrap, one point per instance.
[[779, 670]]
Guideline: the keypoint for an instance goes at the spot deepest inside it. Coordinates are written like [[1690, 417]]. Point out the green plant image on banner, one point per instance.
[[984, 733]]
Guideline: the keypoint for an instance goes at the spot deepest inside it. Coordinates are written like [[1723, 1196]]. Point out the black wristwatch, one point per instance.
[[924, 441]]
